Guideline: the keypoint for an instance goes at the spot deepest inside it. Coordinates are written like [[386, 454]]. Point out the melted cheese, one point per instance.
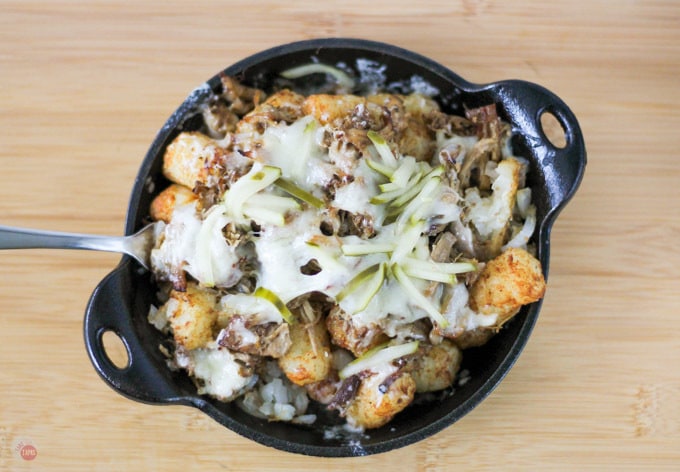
[[459, 314], [296, 151], [355, 197], [220, 373], [197, 246], [491, 214], [283, 251], [456, 147], [259, 311]]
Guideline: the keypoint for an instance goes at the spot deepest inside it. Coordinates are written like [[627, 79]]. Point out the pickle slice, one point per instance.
[[258, 178], [299, 193], [444, 272], [359, 292], [383, 148], [418, 298], [274, 299]]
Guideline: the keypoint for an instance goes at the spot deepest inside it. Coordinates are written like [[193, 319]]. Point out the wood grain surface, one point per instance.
[[85, 86]]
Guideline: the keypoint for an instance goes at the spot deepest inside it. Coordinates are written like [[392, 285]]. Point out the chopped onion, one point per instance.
[[522, 237], [523, 199]]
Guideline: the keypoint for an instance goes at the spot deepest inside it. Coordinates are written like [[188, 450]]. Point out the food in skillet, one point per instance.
[[338, 248]]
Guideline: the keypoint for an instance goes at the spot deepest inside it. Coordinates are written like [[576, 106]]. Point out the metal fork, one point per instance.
[[137, 245]]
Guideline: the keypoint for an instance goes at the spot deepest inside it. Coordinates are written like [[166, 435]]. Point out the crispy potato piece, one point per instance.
[[512, 279], [435, 367], [420, 105], [509, 170], [284, 99], [283, 105], [370, 112], [356, 339], [309, 357], [372, 408], [398, 117], [192, 315], [416, 139], [190, 157], [328, 108], [165, 202], [474, 337]]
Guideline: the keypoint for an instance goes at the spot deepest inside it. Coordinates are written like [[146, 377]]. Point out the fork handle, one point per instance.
[[24, 238]]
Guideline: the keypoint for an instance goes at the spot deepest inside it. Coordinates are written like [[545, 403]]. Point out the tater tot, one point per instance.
[[309, 357], [165, 202], [371, 408], [512, 279], [283, 106], [327, 108], [474, 337], [417, 139], [190, 157], [436, 366], [192, 316]]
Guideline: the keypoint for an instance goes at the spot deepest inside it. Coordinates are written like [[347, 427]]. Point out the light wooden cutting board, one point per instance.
[[84, 87]]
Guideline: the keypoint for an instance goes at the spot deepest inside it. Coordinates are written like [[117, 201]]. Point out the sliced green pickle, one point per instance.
[[274, 299]]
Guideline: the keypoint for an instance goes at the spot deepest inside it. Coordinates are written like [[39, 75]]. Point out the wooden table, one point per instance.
[[84, 87]]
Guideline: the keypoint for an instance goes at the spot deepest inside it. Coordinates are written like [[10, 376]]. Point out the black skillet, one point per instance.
[[121, 301]]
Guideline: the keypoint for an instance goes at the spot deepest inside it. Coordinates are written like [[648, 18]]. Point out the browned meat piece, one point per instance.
[[268, 339], [345, 334]]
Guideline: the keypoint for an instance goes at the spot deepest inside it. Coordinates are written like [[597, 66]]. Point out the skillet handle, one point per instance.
[[111, 309], [563, 167]]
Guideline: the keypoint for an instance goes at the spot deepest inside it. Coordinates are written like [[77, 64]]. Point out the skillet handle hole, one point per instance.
[[115, 349], [553, 130]]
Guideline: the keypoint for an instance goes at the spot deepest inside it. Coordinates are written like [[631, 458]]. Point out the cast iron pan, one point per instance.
[[121, 301]]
